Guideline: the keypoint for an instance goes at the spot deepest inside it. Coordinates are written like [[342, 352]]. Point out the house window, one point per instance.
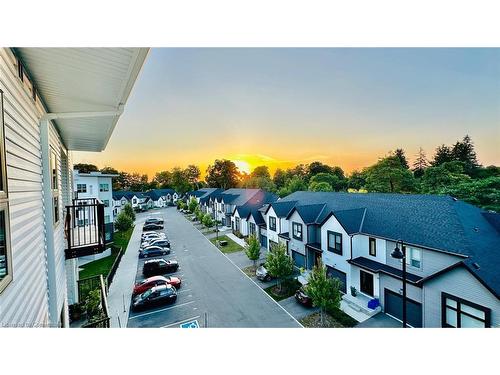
[[272, 245], [335, 242], [460, 313], [373, 247], [20, 70], [134, 201], [237, 223], [106, 203], [107, 219], [103, 187], [272, 223], [54, 185], [81, 188], [251, 228], [413, 257], [297, 231]]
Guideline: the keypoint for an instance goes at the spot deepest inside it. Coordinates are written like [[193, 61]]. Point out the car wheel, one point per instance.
[[267, 278]]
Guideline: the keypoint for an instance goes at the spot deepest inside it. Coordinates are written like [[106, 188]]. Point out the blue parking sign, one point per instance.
[[191, 324]]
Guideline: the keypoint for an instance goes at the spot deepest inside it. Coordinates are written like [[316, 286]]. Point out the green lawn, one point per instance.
[[103, 266], [121, 239], [231, 246], [99, 267]]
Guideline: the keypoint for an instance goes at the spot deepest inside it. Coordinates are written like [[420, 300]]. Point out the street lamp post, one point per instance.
[[398, 254]]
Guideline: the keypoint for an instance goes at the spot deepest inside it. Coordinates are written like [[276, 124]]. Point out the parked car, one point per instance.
[[151, 227], [154, 220], [162, 242], [302, 297], [153, 281], [153, 234], [156, 296], [262, 274], [153, 251], [159, 267]]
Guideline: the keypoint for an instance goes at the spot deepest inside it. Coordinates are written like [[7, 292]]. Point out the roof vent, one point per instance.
[[476, 229], [476, 266], [454, 199]]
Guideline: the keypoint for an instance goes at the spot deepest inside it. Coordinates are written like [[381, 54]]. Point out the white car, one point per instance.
[[162, 242], [153, 235]]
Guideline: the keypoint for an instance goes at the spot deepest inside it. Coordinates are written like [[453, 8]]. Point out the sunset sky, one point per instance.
[[281, 107]]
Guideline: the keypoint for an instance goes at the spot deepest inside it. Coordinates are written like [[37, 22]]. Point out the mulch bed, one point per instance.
[[314, 321]]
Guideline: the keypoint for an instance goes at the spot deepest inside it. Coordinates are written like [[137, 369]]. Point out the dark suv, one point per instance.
[[152, 226], [153, 251], [155, 267]]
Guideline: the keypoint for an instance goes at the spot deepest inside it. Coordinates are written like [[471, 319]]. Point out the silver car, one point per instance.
[[262, 274]]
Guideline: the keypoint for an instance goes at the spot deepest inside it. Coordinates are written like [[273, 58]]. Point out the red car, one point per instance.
[[156, 281]]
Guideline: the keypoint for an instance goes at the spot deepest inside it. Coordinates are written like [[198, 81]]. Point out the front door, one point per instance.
[[366, 282]]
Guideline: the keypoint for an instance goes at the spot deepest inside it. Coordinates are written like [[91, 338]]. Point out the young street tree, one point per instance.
[[252, 249], [208, 221], [123, 222], [129, 211], [192, 205], [279, 264], [323, 290]]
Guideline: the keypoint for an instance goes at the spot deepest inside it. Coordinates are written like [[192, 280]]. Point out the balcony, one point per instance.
[[84, 228]]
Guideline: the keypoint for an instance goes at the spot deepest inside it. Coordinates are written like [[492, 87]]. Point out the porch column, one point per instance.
[[48, 224]]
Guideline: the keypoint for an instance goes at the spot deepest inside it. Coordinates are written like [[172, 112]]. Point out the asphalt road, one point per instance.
[[214, 291]]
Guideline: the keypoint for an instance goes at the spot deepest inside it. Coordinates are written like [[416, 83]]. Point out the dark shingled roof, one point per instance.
[[254, 205], [156, 194], [238, 197], [282, 207], [436, 222], [209, 192], [309, 212]]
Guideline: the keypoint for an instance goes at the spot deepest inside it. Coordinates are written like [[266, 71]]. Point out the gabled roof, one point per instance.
[[436, 222], [282, 208], [209, 192], [309, 213], [156, 194], [238, 197], [255, 203]]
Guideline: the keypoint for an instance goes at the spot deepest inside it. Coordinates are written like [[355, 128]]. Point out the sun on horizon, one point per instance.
[[243, 166]]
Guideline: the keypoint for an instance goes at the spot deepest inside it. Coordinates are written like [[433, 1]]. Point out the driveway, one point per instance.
[[214, 290], [380, 320]]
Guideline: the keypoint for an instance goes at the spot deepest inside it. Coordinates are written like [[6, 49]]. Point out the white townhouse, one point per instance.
[[52, 101], [246, 218], [226, 202], [162, 197], [452, 252], [97, 185]]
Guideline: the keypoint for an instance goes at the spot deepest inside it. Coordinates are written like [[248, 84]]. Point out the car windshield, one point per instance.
[[146, 294]]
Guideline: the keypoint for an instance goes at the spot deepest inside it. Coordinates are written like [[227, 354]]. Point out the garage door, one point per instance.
[[332, 272], [393, 305], [298, 259]]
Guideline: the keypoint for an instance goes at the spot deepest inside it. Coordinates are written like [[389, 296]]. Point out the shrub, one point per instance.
[[129, 211], [123, 221]]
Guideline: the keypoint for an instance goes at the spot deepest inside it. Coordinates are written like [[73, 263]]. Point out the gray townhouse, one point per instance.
[[52, 101], [452, 248]]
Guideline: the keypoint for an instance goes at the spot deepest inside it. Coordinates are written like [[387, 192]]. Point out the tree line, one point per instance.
[[453, 169]]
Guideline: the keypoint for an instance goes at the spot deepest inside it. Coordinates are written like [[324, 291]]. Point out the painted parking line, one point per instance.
[[183, 291], [181, 321], [157, 311]]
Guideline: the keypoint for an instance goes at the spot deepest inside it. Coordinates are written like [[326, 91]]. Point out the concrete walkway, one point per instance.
[[120, 291], [239, 241]]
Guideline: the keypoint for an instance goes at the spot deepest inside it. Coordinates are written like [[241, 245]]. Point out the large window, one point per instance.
[[272, 223], [103, 187], [373, 246], [460, 313], [106, 202], [335, 242], [251, 229], [81, 188], [5, 251], [297, 231]]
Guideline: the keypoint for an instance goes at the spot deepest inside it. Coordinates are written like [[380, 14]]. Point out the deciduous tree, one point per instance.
[[279, 264], [252, 249], [222, 174]]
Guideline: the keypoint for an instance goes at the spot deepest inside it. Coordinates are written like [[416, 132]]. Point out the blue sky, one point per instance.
[[282, 106]]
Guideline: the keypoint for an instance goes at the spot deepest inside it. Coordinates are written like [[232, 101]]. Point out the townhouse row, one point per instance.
[[142, 201], [452, 248], [52, 101]]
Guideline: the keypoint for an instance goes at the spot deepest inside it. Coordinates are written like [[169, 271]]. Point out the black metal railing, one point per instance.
[[97, 282], [85, 228]]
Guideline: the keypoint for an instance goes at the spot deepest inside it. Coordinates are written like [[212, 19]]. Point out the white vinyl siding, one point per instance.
[[25, 300]]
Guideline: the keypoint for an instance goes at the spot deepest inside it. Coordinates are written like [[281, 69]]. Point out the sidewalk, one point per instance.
[[239, 241], [120, 292]]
